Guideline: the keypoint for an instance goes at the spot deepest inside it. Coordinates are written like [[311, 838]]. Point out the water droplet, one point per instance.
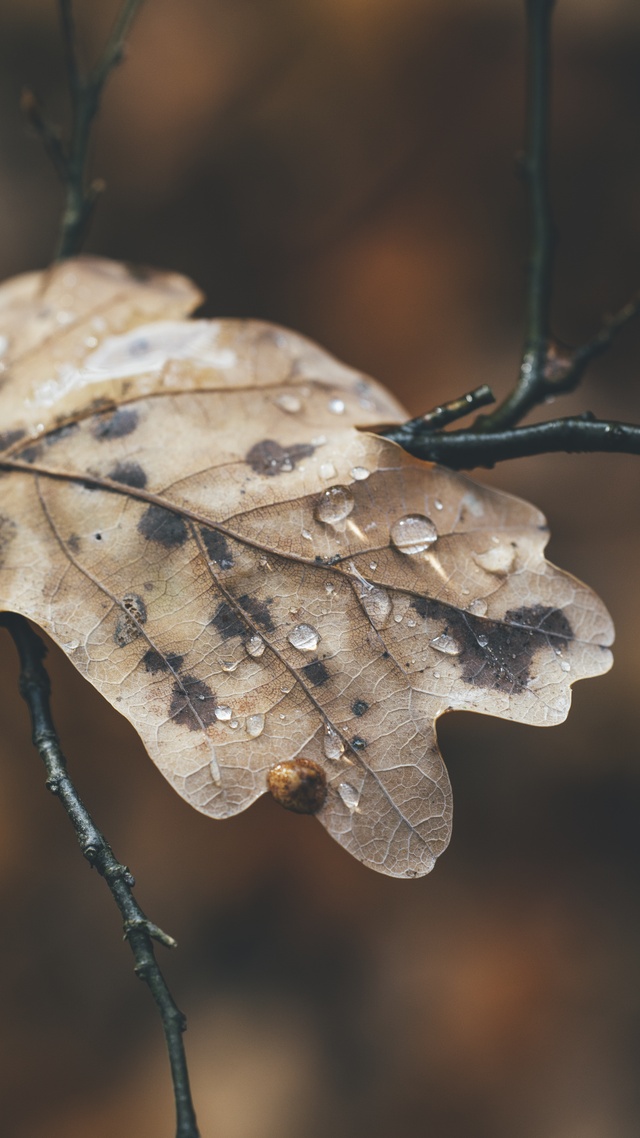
[[327, 470], [337, 406], [288, 402], [234, 723], [498, 560], [91, 342], [223, 713], [349, 795], [478, 607], [413, 534], [229, 665], [397, 617], [306, 535], [255, 725], [438, 504], [411, 623], [334, 505], [565, 666], [64, 316], [263, 563], [359, 473], [333, 745], [71, 645], [373, 565], [473, 504], [329, 587], [304, 637], [447, 644], [255, 646], [436, 675], [483, 641]]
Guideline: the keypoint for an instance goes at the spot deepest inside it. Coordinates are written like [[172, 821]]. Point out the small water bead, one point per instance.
[[332, 744], [306, 535], [255, 725], [71, 645], [334, 505], [436, 675], [229, 665], [223, 713], [483, 641], [359, 473], [234, 723], [478, 607], [438, 504], [337, 406], [447, 644], [565, 666], [413, 534], [288, 402], [327, 470], [329, 587], [377, 605], [349, 795], [373, 565], [304, 637], [255, 646]]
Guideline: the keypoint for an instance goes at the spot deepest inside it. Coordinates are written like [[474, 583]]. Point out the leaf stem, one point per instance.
[[138, 930]]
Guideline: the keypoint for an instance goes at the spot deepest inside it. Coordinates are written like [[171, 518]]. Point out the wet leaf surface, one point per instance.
[[275, 599]]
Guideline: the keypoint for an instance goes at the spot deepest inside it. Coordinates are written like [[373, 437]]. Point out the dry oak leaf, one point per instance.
[[272, 597]]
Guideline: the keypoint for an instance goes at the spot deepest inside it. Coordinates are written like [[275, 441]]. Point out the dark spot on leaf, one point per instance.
[[73, 543], [359, 707], [129, 474], [228, 622], [497, 654], [358, 743], [193, 704], [31, 454], [299, 785], [60, 433], [134, 615], [8, 438], [98, 536], [115, 426], [155, 662], [268, 457], [163, 526], [217, 548], [316, 672]]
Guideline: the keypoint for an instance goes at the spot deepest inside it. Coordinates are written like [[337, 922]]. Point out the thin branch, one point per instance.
[[464, 450], [85, 91], [439, 417], [138, 930], [527, 392]]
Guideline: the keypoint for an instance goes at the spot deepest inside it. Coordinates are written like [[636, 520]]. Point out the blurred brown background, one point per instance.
[[346, 167]]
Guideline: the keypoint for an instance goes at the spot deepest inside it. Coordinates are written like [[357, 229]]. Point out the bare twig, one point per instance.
[[70, 159], [138, 930], [463, 450]]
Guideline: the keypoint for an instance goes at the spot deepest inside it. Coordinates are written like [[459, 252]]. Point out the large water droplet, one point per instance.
[[333, 745], [288, 402], [478, 607], [447, 644], [349, 795], [377, 605], [334, 505], [255, 646], [255, 725], [223, 713], [304, 637], [413, 533], [498, 560]]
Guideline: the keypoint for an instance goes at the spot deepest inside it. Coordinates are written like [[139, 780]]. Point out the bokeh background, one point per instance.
[[346, 167]]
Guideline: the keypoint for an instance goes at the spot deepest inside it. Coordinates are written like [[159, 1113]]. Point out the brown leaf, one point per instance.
[[272, 597]]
